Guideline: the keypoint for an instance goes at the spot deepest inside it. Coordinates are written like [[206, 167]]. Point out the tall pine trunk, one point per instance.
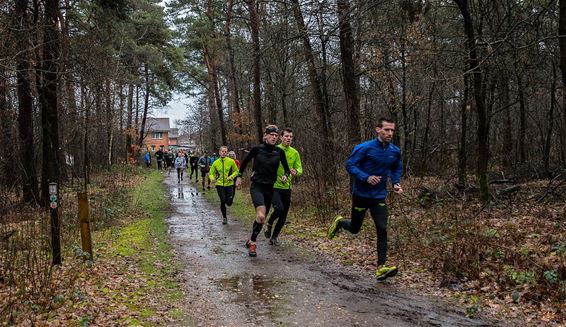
[[25, 103], [482, 129], [254, 24], [349, 72]]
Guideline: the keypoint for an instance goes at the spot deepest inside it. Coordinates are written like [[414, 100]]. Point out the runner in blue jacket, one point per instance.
[[372, 164]]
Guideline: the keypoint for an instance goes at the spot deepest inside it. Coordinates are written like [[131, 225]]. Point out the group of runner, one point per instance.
[[371, 164]]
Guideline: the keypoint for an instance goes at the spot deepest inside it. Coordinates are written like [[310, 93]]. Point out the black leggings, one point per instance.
[[194, 170], [261, 194], [180, 172], [226, 195], [378, 210], [281, 202]]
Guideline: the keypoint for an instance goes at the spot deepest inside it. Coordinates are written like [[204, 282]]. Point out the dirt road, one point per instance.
[[281, 286]]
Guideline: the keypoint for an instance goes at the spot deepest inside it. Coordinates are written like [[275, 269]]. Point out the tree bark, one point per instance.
[[562, 43], [232, 82], [146, 105], [129, 130], [48, 98], [462, 151], [254, 24], [349, 72], [25, 103], [314, 79], [482, 130]]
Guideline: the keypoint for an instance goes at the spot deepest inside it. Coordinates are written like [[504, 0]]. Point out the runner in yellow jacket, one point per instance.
[[224, 171], [282, 191]]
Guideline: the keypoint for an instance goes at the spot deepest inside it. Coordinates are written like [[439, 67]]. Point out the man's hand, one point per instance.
[[229, 178], [284, 179], [397, 188], [293, 172], [373, 180]]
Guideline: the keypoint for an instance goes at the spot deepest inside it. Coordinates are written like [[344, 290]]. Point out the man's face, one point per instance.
[[287, 138], [223, 152], [271, 138], [385, 132]]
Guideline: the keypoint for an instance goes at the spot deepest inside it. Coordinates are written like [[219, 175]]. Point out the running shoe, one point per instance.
[[251, 248], [385, 271], [267, 232], [335, 227], [224, 220], [274, 241]]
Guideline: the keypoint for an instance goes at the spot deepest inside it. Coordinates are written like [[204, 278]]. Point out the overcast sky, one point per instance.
[[175, 109]]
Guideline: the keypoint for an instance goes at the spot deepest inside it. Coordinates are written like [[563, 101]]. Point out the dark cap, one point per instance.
[[271, 129]]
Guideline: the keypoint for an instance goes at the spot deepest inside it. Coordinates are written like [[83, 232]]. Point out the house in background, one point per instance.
[[157, 135]]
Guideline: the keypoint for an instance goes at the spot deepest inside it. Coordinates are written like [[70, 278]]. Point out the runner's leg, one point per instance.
[[379, 213], [222, 195], [354, 224], [285, 203]]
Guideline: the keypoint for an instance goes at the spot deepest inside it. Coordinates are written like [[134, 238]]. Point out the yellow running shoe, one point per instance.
[[335, 227], [385, 271]]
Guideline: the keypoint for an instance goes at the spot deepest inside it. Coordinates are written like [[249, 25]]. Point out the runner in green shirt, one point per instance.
[[282, 191], [223, 171]]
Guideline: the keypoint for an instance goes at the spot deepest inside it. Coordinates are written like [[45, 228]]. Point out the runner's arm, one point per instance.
[[212, 173], [298, 166], [236, 171], [284, 163], [355, 158], [247, 159], [397, 170]]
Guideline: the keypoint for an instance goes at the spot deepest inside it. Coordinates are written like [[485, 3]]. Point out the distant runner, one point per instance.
[[372, 164], [193, 161], [181, 165], [204, 165], [224, 171], [282, 191], [266, 158]]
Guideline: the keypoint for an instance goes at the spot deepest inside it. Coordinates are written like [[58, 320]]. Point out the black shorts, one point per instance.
[[261, 194]]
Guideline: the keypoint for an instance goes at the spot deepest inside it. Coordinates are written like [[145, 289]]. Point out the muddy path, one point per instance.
[[281, 286]]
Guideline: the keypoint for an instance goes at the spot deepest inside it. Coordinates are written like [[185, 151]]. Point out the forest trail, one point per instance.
[[281, 286]]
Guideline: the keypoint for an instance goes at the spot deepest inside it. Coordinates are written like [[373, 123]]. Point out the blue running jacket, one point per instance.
[[374, 158]]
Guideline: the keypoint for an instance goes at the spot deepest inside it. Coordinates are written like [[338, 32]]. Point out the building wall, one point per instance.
[[154, 144]]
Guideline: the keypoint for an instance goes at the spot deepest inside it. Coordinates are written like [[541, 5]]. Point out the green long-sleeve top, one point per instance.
[[221, 169], [294, 162]]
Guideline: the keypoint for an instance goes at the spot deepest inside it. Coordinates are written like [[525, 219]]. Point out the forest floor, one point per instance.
[[496, 265], [133, 279]]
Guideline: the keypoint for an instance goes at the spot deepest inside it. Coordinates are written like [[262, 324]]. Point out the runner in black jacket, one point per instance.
[[266, 161]]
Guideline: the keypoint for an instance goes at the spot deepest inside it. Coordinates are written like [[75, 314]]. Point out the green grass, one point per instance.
[[145, 239]]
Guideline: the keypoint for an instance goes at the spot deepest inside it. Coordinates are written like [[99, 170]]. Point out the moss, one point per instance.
[[145, 240]]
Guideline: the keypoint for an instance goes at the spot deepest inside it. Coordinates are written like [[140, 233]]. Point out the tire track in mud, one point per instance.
[[225, 287]]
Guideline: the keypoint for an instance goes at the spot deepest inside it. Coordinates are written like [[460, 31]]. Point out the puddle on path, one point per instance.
[[261, 294]]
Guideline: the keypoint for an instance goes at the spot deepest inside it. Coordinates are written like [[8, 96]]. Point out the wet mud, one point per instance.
[[279, 287]]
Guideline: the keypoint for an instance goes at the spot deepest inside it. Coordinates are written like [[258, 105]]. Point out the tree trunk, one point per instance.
[[146, 105], [233, 84], [314, 79], [462, 151], [349, 72], [562, 43], [109, 122], [25, 103], [129, 130], [48, 98], [550, 119], [211, 98], [254, 24], [482, 130]]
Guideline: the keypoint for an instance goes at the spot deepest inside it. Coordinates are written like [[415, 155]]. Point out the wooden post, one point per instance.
[[85, 223]]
